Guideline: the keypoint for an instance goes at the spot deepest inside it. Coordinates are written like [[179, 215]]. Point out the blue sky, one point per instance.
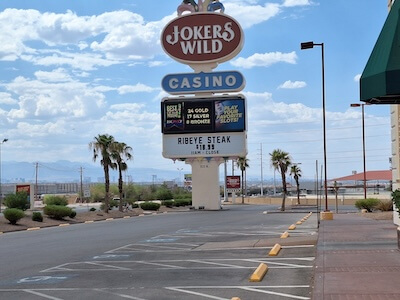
[[74, 69]]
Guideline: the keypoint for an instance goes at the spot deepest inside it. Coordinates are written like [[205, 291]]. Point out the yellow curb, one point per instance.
[[63, 225], [235, 298], [259, 273], [33, 228], [299, 223], [285, 235], [88, 222], [109, 219], [127, 217], [275, 250], [1, 232], [292, 227]]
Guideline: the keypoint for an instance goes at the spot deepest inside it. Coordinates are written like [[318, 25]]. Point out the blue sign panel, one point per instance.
[[213, 82]]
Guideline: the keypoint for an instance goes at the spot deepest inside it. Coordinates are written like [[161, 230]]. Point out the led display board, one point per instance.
[[203, 115]]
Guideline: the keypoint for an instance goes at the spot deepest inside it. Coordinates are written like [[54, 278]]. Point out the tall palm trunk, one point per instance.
[[107, 187], [284, 190], [120, 188], [296, 178]]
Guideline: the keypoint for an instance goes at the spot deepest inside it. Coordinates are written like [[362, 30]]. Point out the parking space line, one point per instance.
[[41, 295], [258, 289], [160, 265], [217, 264], [274, 293], [106, 265], [196, 293], [118, 294]]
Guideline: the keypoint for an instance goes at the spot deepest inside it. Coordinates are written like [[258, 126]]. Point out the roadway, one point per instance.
[[183, 255]]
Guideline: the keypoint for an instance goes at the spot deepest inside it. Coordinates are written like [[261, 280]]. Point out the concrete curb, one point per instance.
[[259, 273]]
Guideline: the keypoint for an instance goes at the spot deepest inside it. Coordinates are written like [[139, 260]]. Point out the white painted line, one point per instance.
[[119, 294], [105, 265], [274, 293], [160, 265], [196, 294], [216, 264], [41, 295]]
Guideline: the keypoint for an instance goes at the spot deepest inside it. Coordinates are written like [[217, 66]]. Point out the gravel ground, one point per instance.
[[81, 217], [378, 215]]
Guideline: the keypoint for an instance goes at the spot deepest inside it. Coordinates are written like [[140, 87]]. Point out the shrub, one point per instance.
[[93, 209], [57, 212], [396, 199], [183, 202], [13, 215], [18, 200], [385, 206], [369, 204], [164, 194], [37, 216], [135, 205], [72, 214], [55, 200], [150, 206], [168, 203]]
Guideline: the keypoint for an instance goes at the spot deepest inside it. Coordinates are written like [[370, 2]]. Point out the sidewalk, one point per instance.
[[357, 258]]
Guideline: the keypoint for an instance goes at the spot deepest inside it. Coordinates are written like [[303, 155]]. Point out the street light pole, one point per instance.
[[310, 45], [363, 143], [1, 192]]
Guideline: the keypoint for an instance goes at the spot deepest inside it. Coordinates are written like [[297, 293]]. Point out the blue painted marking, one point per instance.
[[189, 83]]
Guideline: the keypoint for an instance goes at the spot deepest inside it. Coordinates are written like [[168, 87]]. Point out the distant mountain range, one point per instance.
[[67, 171]]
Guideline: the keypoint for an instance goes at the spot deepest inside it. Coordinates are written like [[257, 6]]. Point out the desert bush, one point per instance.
[[150, 206], [55, 200], [369, 204], [396, 199], [168, 203], [183, 202], [13, 215], [18, 200], [57, 212], [37, 216], [384, 206], [72, 214], [164, 194]]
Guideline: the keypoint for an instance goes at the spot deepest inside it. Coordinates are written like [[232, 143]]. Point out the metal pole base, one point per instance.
[[326, 215]]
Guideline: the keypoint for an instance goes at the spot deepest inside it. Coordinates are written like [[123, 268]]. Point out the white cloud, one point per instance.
[[292, 85], [137, 88], [7, 99], [51, 99], [249, 15], [265, 60], [292, 3]]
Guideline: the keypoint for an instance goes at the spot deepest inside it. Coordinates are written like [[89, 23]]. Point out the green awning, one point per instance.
[[380, 81]]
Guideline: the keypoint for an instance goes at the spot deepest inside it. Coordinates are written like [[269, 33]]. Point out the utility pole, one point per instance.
[[36, 180], [81, 188], [262, 172]]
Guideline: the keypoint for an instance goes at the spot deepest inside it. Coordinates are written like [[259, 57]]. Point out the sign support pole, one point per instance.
[[205, 189]]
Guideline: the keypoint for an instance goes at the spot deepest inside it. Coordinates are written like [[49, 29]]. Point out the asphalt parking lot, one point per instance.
[[207, 262]]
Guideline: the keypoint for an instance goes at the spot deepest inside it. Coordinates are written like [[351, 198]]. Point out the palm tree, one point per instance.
[[296, 172], [119, 152], [243, 163], [280, 160], [101, 146]]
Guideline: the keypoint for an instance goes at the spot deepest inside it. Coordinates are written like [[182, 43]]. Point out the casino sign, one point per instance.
[[202, 38]]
